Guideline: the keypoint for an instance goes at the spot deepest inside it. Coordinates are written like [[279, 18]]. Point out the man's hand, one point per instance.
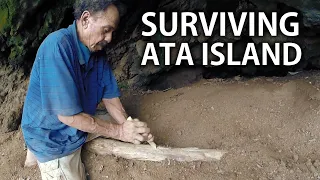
[[150, 137], [134, 131]]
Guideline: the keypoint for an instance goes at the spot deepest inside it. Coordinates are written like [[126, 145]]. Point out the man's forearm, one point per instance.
[[115, 109], [87, 123]]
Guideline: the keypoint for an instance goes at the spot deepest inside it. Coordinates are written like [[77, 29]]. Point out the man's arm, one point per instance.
[[115, 109], [129, 131], [87, 123]]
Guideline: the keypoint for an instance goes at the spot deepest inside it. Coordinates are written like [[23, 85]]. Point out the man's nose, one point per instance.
[[108, 37]]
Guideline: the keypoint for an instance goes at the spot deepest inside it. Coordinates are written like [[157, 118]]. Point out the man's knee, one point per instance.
[[31, 159]]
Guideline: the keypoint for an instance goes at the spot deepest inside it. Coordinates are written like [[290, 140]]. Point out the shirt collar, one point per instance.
[[82, 51]]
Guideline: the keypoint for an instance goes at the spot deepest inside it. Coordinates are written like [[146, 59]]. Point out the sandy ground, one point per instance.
[[269, 126]]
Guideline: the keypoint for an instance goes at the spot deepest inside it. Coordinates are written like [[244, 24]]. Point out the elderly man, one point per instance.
[[69, 78]]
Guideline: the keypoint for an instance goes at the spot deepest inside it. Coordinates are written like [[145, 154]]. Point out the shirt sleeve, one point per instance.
[[59, 93], [111, 89]]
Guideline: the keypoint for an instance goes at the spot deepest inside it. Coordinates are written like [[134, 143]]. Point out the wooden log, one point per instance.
[[103, 146]]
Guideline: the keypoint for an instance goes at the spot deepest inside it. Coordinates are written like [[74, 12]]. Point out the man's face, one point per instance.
[[99, 28]]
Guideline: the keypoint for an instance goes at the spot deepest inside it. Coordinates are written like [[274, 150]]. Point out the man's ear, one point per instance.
[[85, 19]]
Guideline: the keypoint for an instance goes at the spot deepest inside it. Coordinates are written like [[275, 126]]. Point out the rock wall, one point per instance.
[[128, 51], [24, 24]]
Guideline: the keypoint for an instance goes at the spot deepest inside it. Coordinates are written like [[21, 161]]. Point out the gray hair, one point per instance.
[[94, 6]]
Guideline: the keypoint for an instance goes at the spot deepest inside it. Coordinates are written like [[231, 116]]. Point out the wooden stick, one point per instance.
[[103, 146]]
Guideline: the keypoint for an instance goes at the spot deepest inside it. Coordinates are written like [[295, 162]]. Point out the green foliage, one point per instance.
[[3, 19], [23, 38], [123, 85], [9, 9], [15, 55]]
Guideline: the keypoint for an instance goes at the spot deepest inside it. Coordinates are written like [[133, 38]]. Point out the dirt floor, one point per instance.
[[269, 126]]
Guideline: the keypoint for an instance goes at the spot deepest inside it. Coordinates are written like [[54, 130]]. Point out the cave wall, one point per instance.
[[127, 53], [25, 23]]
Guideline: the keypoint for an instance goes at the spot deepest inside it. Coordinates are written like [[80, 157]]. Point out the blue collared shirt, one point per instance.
[[66, 79]]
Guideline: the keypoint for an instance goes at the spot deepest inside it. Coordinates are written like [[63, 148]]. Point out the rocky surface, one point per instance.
[[12, 94], [270, 128]]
